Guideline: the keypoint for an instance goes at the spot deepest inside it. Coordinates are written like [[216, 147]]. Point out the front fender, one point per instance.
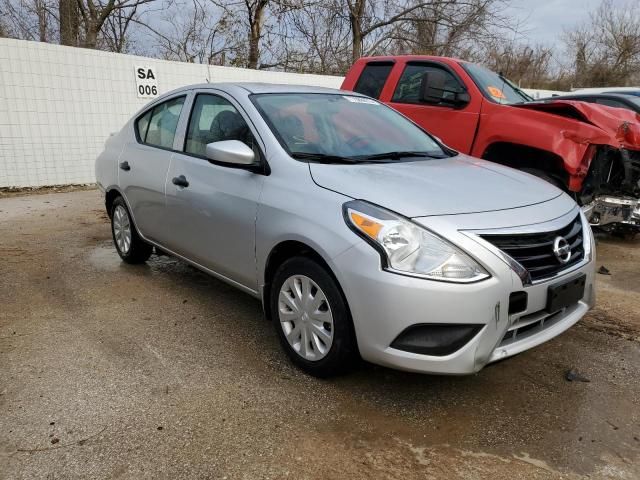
[[564, 137]]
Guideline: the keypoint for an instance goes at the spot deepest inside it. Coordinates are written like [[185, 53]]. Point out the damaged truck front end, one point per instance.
[[610, 195], [605, 179]]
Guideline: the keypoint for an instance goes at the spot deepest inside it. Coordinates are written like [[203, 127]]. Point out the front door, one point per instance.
[[455, 126], [211, 212]]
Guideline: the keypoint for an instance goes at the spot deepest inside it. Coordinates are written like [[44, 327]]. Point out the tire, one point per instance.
[[131, 248], [544, 176], [321, 357]]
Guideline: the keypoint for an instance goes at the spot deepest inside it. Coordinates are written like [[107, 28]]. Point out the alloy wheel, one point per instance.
[[122, 229]]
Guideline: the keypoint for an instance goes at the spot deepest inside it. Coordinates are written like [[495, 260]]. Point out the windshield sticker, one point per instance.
[[368, 101], [495, 92]]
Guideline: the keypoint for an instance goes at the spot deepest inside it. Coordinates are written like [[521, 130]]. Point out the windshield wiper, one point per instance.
[[323, 158], [519, 91], [397, 156]]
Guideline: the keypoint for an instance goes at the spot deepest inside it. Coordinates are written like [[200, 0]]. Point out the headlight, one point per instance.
[[409, 249]]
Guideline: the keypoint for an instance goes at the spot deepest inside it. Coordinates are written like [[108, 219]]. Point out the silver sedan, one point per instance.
[[362, 235]]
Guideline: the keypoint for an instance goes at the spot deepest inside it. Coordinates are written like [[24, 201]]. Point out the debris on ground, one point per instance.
[[604, 270], [573, 376]]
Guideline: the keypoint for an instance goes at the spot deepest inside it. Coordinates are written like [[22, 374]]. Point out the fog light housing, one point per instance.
[[518, 302], [435, 339]]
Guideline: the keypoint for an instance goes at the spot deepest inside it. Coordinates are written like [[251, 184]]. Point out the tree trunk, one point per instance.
[[91, 36], [69, 22], [356, 13], [254, 46], [255, 33], [42, 20]]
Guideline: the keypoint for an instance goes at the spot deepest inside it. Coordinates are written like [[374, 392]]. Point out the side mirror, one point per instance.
[[232, 152], [432, 87], [434, 91]]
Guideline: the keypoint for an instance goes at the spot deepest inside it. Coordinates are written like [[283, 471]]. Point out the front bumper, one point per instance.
[[611, 209], [384, 304]]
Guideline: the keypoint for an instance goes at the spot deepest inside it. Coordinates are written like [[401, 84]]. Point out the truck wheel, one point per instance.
[[544, 176]]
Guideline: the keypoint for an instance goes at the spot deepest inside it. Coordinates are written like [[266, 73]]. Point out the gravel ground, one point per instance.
[[158, 371]]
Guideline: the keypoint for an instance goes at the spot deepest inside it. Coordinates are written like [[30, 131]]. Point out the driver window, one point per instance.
[[408, 88], [214, 119]]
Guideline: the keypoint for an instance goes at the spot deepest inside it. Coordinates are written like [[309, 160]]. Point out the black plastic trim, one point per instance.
[[459, 336]]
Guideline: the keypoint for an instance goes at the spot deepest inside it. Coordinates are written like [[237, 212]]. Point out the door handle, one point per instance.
[[180, 181], [125, 166]]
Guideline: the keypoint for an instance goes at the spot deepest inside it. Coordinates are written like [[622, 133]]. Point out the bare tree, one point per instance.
[[368, 17], [248, 20], [606, 49], [528, 66], [194, 31], [115, 35], [94, 14], [29, 19], [69, 16], [464, 28], [317, 37]]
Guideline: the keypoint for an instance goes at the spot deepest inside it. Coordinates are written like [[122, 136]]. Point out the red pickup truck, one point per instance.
[[591, 151]]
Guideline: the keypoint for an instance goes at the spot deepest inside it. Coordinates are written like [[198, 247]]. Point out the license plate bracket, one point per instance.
[[566, 293]]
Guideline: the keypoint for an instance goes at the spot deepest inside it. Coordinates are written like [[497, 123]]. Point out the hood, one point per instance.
[[435, 187], [620, 125]]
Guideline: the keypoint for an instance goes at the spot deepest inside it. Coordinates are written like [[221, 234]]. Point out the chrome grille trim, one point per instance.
[[531, 247]]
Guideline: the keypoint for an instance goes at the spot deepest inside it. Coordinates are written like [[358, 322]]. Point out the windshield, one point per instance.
[[495, 87], [343, 127]]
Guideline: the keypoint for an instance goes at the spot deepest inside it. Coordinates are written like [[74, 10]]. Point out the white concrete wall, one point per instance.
[[59, 104], [543, 93]]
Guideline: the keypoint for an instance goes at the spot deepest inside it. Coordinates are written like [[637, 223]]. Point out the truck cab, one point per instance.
[[591, 151]]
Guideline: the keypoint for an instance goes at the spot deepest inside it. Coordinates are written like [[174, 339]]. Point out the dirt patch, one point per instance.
[[602, 321], [6, 192], [160, 371]]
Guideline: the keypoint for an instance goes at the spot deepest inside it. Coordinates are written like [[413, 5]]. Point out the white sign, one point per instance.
[[146, 82]]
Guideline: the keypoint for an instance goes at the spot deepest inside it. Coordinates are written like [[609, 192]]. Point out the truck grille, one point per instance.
[[534, 251], [632, 170]]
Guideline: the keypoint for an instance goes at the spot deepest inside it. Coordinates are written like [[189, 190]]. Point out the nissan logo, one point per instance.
[[562, 249]]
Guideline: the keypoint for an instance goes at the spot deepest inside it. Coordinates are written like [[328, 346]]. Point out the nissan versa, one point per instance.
[[360, 232]]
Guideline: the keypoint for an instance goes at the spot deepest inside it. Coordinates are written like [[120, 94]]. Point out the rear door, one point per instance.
[[212, 219], [456, 126], [144, 163]]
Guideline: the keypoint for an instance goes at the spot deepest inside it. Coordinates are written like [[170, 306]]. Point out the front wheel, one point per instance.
[[544, 176], [311, 318], [130, 247]]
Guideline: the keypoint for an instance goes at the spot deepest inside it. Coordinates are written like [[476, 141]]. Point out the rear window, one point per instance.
[[158, 126], [373, 78]]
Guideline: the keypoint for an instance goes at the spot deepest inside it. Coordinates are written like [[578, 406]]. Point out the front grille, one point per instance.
[[632, 171], [534, 251]]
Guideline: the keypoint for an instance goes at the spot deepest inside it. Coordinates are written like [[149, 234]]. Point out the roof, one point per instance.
[[254, 87]]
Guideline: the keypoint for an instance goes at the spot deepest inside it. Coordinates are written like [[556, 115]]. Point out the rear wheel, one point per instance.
[[311, 318], [130, 247]]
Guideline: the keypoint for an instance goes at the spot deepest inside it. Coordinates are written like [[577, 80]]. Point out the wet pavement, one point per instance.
[[158, 371]]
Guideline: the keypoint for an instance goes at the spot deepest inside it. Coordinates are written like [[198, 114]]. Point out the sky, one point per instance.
[[546, 20]]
